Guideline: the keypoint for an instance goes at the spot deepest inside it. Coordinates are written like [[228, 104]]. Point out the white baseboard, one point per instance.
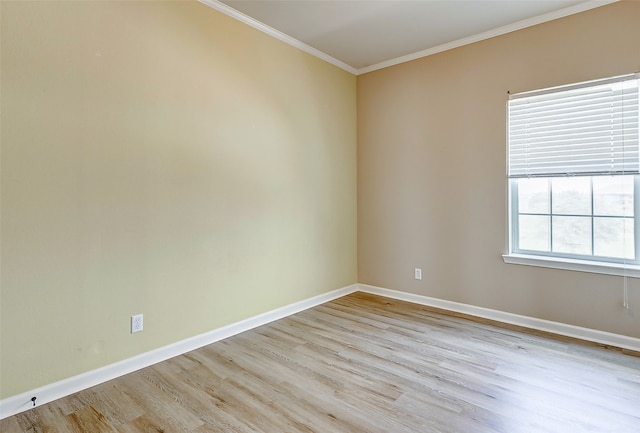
[[22, 402], [593, 335]]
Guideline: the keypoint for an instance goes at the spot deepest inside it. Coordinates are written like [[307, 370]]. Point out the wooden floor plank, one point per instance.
[[364, 363]]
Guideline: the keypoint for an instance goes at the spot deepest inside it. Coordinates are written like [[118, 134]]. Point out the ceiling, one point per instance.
[[363, 35]]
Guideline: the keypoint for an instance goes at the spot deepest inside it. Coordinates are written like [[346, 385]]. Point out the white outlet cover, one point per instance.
[[137, 323], [418, 274]]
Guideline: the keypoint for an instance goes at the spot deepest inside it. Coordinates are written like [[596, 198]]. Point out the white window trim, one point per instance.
[[560, 262], [594, 267]]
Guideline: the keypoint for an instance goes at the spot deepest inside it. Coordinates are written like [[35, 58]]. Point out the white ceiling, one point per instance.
[[364, 35]]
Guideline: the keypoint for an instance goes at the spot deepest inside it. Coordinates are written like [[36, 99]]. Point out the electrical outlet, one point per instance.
[[418, 274], [136, 323]]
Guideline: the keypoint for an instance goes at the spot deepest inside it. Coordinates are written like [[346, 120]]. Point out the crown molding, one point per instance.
[[529, 22], [227, 10]]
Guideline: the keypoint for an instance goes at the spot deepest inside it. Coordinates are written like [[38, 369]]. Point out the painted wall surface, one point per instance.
[[165, 159], [432, 189]]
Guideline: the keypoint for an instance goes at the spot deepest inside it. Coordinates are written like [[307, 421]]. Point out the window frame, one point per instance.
[[585, 263], [514, 214]]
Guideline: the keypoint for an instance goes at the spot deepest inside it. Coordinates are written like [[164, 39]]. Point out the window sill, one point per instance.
[[619, 269]]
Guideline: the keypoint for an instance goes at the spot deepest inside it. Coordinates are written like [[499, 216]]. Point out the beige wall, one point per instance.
[[431, 170], [161, 158]]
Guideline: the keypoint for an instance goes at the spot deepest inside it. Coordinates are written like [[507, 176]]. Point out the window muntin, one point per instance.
[[573, 165], [590, 217]]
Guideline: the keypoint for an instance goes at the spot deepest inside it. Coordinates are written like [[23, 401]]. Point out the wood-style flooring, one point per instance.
[[364, 363]]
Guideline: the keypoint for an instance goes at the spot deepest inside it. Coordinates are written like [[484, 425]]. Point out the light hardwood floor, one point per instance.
[[364, 363]]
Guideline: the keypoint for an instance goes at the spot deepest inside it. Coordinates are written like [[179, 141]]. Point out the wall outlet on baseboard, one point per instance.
[[418, 274], [137, 323]]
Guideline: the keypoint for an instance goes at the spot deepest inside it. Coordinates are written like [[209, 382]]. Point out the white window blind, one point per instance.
[[584, 129]]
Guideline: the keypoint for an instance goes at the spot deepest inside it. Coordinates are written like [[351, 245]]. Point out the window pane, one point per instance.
[[533, 195], [534, 232], [572, 235], [613, 195], [613, 237], [571, 195]]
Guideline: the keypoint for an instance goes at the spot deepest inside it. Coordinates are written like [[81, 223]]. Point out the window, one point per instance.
[[573, 168]]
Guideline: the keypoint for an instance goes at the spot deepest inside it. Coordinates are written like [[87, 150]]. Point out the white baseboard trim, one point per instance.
[[592, 335], [45, 394]]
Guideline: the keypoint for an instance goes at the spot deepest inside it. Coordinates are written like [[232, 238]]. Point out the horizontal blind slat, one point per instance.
[[591, 129]]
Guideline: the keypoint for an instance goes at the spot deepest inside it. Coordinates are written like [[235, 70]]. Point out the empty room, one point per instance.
[[320, 216]]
